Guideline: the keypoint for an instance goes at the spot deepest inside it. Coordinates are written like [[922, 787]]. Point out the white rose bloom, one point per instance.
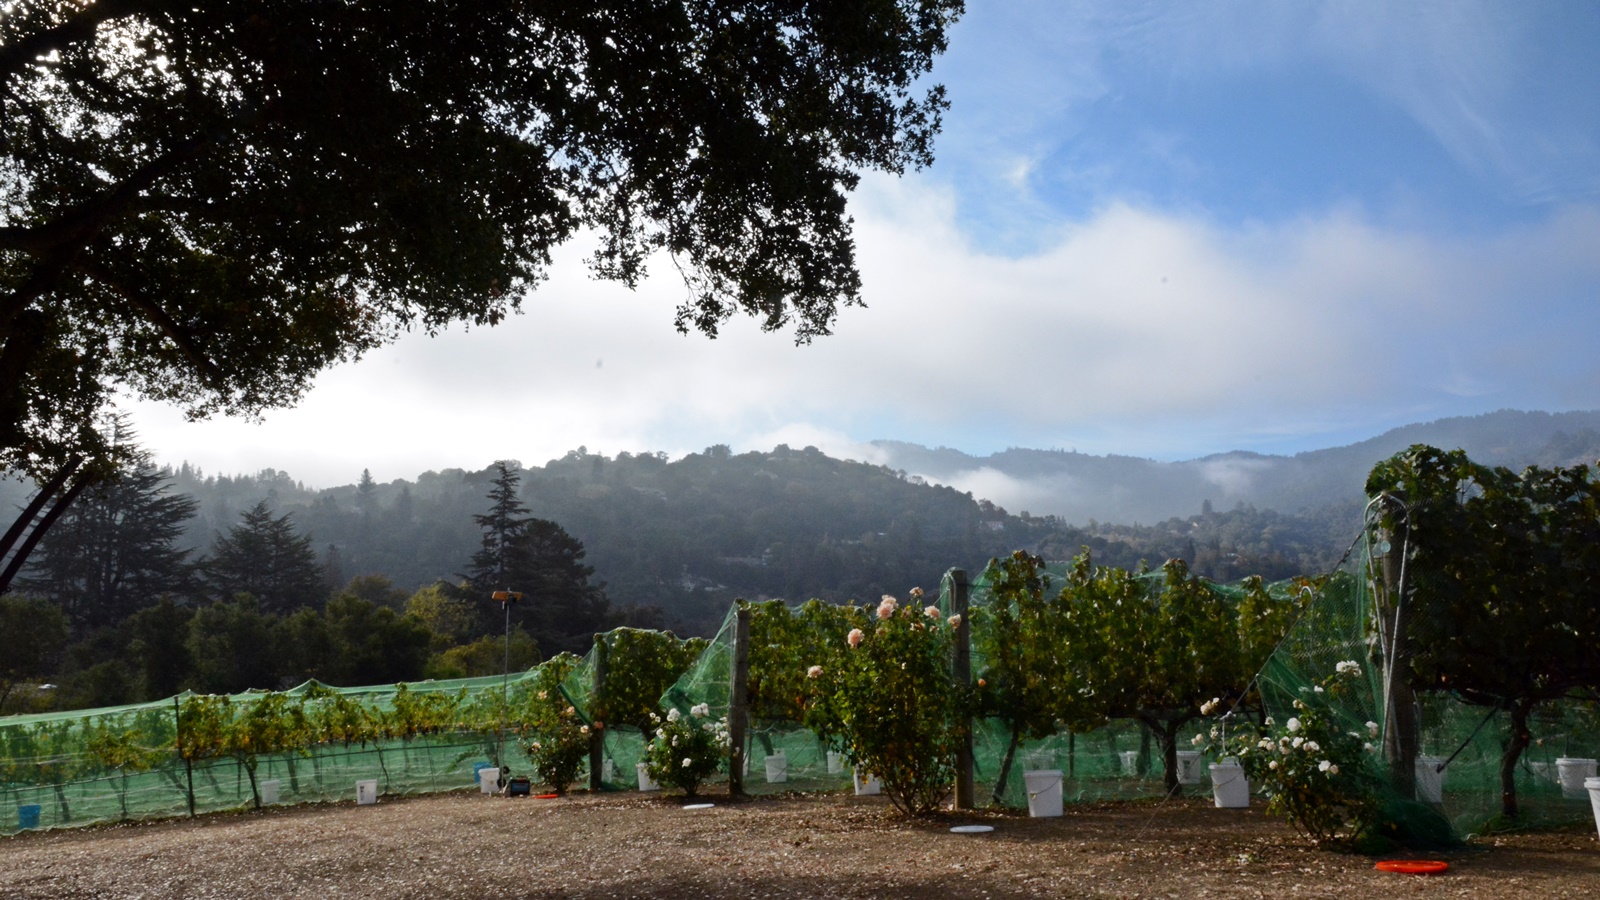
[[1293, 725], [673, 715]]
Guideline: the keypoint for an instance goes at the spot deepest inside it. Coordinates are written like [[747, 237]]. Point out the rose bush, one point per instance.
[[885, 699], [1316, 770], [686, 748]]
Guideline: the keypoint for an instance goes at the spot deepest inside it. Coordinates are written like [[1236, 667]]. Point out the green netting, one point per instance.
[[123, 763], [1122, 759], [780, 753], [619, 683], [1460, 744]]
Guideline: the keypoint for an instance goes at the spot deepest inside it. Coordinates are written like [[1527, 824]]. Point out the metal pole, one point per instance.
[[505, 682]]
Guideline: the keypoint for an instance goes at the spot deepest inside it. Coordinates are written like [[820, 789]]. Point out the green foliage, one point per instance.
[[31, 631], [484, 656], [1154, 655], [554, 737], [1316, 770], [686, 748], [115, 548], [889, 703], [1031, 678], [264, 556], [1501, 572], [228, 227], [639, 667]]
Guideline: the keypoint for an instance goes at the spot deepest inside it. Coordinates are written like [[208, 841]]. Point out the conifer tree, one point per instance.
[[265, 557], [114, 551]]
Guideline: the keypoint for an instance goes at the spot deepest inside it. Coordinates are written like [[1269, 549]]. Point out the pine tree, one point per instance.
[[113, 552], [265, 557], [506, 521]]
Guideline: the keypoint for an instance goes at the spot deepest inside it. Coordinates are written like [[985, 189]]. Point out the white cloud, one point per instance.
[[1137, 332]]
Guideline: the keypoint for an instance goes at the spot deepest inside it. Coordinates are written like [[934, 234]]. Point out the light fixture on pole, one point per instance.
[[506, 598]]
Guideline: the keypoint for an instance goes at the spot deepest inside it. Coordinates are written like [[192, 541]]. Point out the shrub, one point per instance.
[[1316, 770], [889, 703], [686, 749]]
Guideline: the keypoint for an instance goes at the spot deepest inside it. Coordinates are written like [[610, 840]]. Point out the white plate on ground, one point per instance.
[[972, 829], [698, 805]]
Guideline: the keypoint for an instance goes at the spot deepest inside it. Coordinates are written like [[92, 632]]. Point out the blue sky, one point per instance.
[[1157, 229]]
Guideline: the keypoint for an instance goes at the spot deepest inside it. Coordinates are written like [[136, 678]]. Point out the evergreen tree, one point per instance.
[[114, 550], [505, 522], [561, 608], [31, 631], [264, 556]]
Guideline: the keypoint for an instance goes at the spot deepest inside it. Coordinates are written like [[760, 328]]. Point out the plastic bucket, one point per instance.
[[777, 768], [608, 769], [835, 762], [1189, 767], [269, 791], [1592, 785], [646, 783], [1229, 788], [1130, 762], [489, 779], [865, 787], [1044, 792], [1430, 781], [367, 792], [28, 816], [1573, 772]]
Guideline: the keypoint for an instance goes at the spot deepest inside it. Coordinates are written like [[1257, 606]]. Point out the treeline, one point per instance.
[[113, 610], [270, 582]]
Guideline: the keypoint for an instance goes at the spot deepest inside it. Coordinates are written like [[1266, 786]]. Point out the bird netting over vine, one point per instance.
[[1112, 759], [1459, 745], [199, 753]]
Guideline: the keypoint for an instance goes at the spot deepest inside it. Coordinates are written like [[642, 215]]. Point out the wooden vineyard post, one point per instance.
[[738, 712], [961, 674], [597, 742]]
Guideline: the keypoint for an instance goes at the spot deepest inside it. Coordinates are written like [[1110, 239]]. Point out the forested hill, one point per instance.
[[687, 536], [1078, 487]]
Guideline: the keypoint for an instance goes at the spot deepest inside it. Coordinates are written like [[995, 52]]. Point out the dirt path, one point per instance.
[[830, 845]]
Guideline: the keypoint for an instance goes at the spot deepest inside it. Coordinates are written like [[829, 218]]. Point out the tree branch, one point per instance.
[[158, 317], [74, 29], [79, 224]]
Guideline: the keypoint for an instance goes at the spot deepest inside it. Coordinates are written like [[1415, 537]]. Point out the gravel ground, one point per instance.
[[812, 845]]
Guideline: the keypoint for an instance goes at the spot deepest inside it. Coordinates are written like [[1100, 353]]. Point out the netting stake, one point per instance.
[[961, 674]]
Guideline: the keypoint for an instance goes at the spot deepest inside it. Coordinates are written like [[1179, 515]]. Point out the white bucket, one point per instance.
[[1130, 762], [367, 792], [1189, 767], [269, 791], [1229, 788], [646, 783], [489, 780], [777, 768], [835, 762], [1592, 785], [1044, 792], [608, 769], [1573, 772], [1430, 781], [865, 787]]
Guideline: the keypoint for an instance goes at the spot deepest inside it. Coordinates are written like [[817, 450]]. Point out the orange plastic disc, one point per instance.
[[1413, 866], [545, 796]]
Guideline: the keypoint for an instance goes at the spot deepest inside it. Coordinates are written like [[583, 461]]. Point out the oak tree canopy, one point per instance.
[[208, 203]]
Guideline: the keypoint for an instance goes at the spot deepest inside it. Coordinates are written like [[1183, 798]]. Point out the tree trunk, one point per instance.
[[1518, 742], [1005, 770]]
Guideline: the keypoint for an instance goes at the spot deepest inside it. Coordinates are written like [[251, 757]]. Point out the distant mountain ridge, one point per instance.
[[1078, 487]]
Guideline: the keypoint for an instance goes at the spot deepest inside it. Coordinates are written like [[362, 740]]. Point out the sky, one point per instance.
[[1152, 229]]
